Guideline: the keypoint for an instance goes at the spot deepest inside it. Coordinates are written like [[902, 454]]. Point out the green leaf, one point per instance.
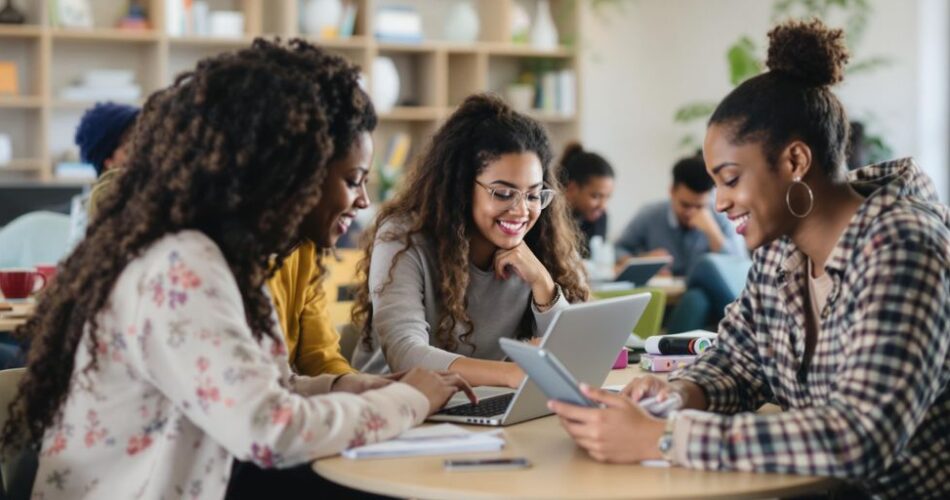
[[694, 111], [867, 65], [689, 143], [743, 63]]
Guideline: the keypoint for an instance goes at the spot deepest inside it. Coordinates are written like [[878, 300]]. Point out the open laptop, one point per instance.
[[585, 337]]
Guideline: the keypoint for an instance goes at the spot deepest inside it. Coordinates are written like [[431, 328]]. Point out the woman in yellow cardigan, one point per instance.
[[313, 344]]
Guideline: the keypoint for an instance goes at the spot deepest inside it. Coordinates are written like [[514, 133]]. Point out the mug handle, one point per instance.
[[42, 286]]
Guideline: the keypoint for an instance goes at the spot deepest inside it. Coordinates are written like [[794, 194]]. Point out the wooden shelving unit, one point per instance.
[[436, 75]]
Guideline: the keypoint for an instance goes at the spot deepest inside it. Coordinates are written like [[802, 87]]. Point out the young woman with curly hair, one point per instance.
[[588, 181], [476, 246], [155, 356], [844, 317]]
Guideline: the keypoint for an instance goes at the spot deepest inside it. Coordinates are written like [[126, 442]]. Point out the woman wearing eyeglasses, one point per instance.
[[476, 246]]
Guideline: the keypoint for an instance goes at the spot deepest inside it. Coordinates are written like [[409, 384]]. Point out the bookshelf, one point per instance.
[[435, 74]]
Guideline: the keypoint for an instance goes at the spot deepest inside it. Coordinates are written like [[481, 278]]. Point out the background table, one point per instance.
[[10, 319], [560, 470]]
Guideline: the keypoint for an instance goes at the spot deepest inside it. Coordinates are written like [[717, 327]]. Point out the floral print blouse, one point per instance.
[[181, 388]]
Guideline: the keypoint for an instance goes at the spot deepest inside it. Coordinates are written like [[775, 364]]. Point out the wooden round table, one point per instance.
[[559, 470], [13, 315]]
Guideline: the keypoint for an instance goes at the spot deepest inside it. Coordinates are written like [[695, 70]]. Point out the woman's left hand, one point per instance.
[[522, 261], [620, 432]]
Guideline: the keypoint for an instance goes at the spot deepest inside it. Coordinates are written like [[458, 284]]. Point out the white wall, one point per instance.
[[647, 59]]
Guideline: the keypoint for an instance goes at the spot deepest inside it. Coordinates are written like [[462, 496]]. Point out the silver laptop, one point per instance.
[[585, 337]]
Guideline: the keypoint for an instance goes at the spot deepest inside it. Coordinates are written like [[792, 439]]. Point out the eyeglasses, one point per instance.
[[508, 197]]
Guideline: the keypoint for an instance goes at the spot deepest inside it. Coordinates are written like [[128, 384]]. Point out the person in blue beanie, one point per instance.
[[102, 135]]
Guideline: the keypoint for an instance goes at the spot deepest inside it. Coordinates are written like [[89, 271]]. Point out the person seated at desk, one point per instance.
[[102, 135], [683, 227], [156, 357], [468, 251], [588, 181], [843, 322]]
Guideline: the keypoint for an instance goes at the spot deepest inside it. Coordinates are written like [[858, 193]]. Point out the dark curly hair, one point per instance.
[[436, 201], [793, 100], [236, 149]]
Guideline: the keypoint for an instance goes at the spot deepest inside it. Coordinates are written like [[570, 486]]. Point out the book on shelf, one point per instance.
[[8, 78], [348, 20], [556, 92]]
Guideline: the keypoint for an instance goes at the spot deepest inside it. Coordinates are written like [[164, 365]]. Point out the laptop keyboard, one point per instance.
[[488, 407]]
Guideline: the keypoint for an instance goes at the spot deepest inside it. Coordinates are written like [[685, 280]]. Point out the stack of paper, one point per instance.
[[432, 440], [103, 85]]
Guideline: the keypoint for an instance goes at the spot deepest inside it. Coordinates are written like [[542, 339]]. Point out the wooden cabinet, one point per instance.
[[435, 75]]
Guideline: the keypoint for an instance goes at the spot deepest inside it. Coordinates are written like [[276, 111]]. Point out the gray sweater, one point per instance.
[[408, 309]]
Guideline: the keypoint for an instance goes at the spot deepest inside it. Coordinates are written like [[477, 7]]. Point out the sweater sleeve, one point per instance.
[[399, 309], [730, 373], [895, 370], [197, 349], [543, 319]]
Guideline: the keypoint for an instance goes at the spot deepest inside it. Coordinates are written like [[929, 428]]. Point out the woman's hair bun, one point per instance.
[[485, 104], [808, 51], [570, 151]]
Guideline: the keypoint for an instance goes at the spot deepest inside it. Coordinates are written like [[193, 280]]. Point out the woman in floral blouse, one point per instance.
[[155, 358], [845, 316]]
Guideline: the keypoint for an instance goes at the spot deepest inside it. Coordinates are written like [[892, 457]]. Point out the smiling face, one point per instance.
[[590, 200], [343, 194], [501, 224], [749, 190]]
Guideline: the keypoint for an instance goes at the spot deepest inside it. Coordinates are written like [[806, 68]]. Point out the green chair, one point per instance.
[[652, 318]]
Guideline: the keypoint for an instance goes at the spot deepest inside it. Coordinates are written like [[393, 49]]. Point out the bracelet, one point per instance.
[[554, 299]]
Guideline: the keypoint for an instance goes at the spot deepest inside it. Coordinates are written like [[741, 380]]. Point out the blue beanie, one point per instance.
[[100, 131]]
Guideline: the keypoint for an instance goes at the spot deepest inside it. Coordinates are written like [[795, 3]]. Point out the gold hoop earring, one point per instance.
[[788, 198]]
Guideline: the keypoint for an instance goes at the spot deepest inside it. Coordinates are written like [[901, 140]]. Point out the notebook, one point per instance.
[[431, 440]]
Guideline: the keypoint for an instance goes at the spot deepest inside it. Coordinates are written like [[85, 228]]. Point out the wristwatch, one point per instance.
[[665, 443]]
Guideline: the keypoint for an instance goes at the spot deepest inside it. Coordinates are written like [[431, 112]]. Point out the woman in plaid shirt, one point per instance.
[[844, 319]]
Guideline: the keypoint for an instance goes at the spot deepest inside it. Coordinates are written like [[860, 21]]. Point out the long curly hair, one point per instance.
[[436, 202], [236, 149]]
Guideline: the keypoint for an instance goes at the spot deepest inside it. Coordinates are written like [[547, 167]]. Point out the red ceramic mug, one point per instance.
[[20, 283], [48, 271]]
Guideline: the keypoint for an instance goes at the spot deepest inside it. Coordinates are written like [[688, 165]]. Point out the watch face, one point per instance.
[[666, 443]]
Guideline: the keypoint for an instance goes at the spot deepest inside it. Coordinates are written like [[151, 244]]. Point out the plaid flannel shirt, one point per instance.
[[873, 405]]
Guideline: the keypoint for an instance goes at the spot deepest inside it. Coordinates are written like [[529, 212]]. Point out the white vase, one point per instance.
[[461, 24], [520, 23], [385, 84], [520, 96], [543, 31], [321, 17]]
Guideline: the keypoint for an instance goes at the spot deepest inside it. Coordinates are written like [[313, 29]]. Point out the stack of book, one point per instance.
[[103, 85], [556, 92], [665, 353]]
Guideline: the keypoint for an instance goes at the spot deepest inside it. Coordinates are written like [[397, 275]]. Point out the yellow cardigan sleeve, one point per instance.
[[318, 350], [313, 344]]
